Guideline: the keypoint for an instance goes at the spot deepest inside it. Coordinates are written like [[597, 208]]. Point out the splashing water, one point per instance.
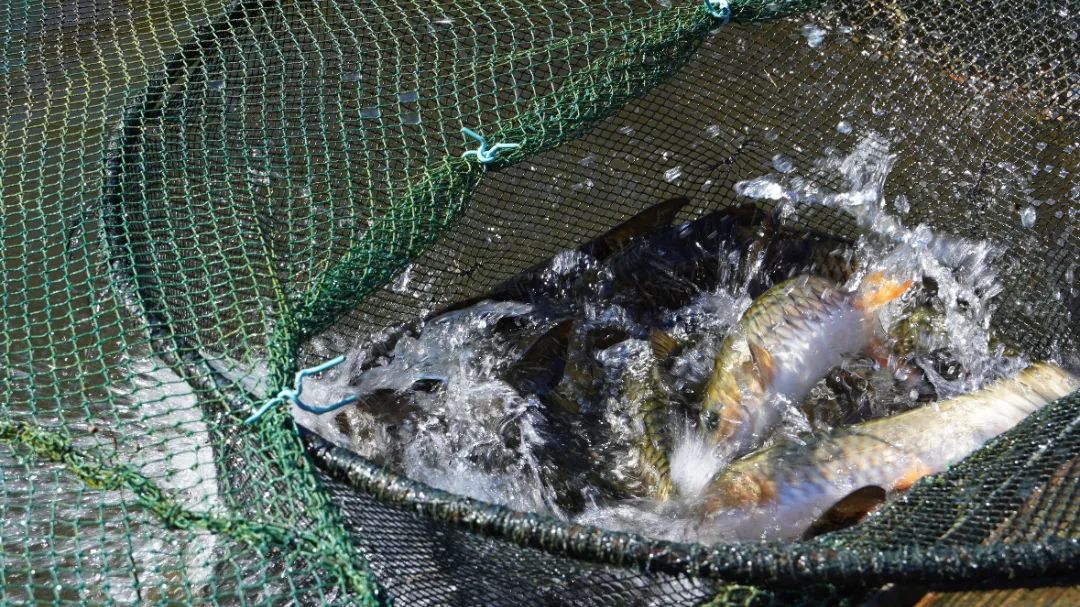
[[473, 435], [961, 269], [476, 435]]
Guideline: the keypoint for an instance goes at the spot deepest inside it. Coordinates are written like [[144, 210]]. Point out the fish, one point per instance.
[[652, 405], [371, 423], [557, 281], [739, 246], [631, 433], [783, 344], [583, 371], [798, 489], [793, 252], [541, 366], [667, 268]]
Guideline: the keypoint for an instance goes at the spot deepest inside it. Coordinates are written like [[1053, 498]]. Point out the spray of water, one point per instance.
[[475, 435]]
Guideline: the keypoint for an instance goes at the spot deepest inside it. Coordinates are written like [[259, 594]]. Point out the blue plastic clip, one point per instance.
[[719, 9], [485, 154], [293, 394]]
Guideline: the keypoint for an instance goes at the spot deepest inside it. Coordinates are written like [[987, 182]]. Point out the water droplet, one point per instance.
[[216, 85], [370, 112], [1027, 217], [782, 163], [713, 130], [843, 127], [350, 76], [408, 97], [901, 203], [672, 174], [761, 188], [626, 130], [814, 35]]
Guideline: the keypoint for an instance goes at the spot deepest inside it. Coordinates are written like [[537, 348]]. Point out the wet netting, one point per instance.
[[193, 184]]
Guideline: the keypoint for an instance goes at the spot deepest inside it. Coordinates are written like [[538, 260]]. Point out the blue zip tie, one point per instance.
[[719, 9], [484, 154], [293, 394]]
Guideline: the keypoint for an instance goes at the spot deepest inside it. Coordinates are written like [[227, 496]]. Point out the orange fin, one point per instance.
[[663, 344], [878, 290], [848, 511], [917, 471], [764, 361]]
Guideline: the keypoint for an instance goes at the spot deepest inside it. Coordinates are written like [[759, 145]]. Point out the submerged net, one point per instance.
[[197, 185]]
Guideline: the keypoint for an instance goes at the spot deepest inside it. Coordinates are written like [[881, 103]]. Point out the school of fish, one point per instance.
[[760, 343]]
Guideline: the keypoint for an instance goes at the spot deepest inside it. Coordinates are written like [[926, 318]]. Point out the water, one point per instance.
[[1027, 217], [473, 435], [442, 411], [814, 35]]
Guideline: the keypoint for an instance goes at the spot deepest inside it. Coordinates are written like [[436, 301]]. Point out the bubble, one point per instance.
[[814, 35], [1027, 217], [783, 164], [760, 188], [901, 203]]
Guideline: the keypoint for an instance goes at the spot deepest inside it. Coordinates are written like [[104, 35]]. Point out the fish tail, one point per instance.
[[878, 290]]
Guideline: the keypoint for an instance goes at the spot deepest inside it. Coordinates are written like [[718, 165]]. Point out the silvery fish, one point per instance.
[[650, 401], [794, 489], [785, 342]]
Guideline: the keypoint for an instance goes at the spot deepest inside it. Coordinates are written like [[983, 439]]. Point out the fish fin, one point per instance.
[[543, 363], [663, 344], [878, 290], [764, 361], [617, 238], [848, 511], [917, 471]]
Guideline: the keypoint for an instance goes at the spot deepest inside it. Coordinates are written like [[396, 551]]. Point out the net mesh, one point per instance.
[[190, 186]]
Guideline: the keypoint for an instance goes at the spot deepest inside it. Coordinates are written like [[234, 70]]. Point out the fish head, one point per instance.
[[736, 392], [878, 289]]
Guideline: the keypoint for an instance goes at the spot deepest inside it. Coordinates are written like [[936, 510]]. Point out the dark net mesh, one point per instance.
[[193, 190]]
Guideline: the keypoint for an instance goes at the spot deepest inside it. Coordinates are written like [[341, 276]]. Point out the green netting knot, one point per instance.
[[293, 394], [719, 9], [483, 153]]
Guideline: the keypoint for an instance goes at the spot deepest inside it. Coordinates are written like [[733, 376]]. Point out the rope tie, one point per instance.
[[484, 154], [293, 394]]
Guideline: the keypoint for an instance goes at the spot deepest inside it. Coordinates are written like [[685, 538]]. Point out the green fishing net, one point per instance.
[[193, 190]]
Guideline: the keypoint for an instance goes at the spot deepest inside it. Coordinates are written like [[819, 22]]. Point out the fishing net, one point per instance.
[[193, 188]]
